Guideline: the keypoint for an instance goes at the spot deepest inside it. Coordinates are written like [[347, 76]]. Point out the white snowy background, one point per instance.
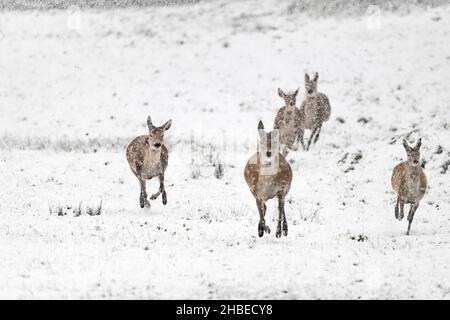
[[76, 87]]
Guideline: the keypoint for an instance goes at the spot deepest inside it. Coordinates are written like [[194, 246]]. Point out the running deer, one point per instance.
[[148, 158], [315, 109], [409, 182], [289, 123], [268, 175]]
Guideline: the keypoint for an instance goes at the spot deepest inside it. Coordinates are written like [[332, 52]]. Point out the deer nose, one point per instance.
[[157, 145], [269, 154], [310, 91], [416, 161]]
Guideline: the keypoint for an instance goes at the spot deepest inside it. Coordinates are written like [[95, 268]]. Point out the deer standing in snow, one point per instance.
[[268, 175], [148, 158], [289, 123], [409, 182], [315, 109]]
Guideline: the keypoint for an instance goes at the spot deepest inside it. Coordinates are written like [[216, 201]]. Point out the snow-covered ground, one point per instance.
[[76, 87]]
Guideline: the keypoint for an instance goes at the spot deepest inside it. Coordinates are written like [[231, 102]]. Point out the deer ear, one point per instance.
[[316, 76], [149, 122], [306, 77], [295, 93], [406, 145], [418, 144], [280, 93], [260, 125], [166, 126]]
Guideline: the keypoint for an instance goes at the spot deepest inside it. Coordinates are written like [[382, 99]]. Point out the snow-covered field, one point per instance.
[[76, 87]]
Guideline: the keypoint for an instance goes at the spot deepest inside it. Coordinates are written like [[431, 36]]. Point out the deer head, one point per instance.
[[413, 153], [289, 99], [156, 134], [311, 85], [268, 148]]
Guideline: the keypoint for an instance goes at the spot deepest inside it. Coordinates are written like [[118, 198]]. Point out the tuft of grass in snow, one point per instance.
[[94, 211], [354, 160], [445, 166], [360, 238], [195, 169], [76, 211], [218, 170]]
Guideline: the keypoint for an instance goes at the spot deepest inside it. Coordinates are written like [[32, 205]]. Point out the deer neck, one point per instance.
[[154, 154], [310, 100], [413, 172], [266, 164]]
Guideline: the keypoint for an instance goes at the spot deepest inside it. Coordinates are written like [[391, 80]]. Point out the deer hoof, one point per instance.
[[261, 228], [285, 230], [278, 233], [260, 232], [164, 198]]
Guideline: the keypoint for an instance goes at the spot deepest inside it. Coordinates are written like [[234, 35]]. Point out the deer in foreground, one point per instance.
[[268, 175], [148, 158], [289, 123], [409, 182], [315, 109]]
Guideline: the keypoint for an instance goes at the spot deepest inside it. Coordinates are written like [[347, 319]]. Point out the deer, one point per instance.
[[409, 182], [289, 123], [315, 109], [148, 158], [269, 175]]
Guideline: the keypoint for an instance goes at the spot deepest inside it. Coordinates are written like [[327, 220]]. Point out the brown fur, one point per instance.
[[409, 183], [315, 110], [268, 177], [289, 122], [148, 158]]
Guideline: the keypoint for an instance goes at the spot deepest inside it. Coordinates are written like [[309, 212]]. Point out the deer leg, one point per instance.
[[396, 209], [281, 218], [300, 138], [282, 214], [262, 223], [143, 197], [317, 134], [402, 210], [266, 228], [143, 202], [311, 137], [160, 190], [412, 211], [161, 185]]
